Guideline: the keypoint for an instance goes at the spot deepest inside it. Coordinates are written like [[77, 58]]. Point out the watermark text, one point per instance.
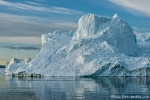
[[123, 96]]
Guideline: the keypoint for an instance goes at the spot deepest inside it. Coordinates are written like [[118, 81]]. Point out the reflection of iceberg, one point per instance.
[[70, 88], [2, 81], [101, 46], [10, 90], [2, 71]]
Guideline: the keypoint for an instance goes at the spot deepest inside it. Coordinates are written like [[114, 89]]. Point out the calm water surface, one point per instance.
[[74, 88]]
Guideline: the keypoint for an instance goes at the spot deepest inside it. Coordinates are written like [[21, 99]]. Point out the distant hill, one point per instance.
[[2, 66]]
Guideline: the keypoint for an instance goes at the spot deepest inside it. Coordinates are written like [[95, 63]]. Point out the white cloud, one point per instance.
[[21, 39], [143, 30], [34, 3], [25, 29], [15, 25], [137, 7], [23, 6]]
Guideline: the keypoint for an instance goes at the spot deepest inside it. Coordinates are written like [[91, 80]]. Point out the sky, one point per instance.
[[23, 21]]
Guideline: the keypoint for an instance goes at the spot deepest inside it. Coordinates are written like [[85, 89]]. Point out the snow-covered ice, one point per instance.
[[101, 46], [115, 32], [16, 65]]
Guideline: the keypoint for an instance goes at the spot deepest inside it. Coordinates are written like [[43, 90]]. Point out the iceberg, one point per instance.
[[16, 65], [114, 31], [101, 46]]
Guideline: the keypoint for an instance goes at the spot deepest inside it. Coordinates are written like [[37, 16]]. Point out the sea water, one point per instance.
[[74, 88]]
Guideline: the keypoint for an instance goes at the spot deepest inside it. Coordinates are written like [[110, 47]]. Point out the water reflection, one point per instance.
[[73, 88]]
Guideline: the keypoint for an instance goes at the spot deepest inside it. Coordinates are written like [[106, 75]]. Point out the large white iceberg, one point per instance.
[[112, 30], [101, 46]]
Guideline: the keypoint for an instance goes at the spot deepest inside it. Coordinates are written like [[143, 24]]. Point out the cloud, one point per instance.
[[16, 25], [31, 7], [21, 29], [143, 30], [136, 7], [26, 29], [34, 3], [21, 39], [21, 48], [2, 66]]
